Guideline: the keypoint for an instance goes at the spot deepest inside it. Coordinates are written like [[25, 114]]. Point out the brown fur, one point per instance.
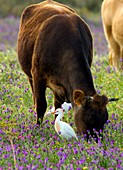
[[112, 17], [55, 50]]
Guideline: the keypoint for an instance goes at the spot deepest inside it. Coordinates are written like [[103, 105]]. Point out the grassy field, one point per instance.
[[24, 145]]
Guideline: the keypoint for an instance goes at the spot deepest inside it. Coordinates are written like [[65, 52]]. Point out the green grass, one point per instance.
[[25, 145]]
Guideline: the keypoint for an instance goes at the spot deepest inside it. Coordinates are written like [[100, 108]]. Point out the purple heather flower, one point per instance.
[[121, 155], [1, 149], [47, 126], [42, 139], [119, 166], [61, 161], [71, 123], [6, 156], [64, 156], [8, 148], [61, 149], [28, 167], [50, 135], [69, 145], [21, 168], [38, 156], [41, 161], [52, 122], [59, 153], [8, 116], [35, 167], [75, 151], [59, 132], [46, 160], [109, 69], [30, 110], [25, 152], [56, 149], [46, 121], [44, 150], [94, 77], [81, 161], [26, 90], [113, 115], [55, 137]]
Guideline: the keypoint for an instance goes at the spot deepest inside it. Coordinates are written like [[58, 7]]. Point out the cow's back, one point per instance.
[[117, 25], [108, 10], [31, 21], [62, 41], [111, 9], [34, 18], [34, 15]]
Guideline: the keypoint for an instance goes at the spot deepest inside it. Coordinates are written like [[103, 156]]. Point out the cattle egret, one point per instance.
[[65, 106], [62, 128], [50, 111]]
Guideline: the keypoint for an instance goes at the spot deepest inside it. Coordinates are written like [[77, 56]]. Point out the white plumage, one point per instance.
[[65, 106], [62, 128]]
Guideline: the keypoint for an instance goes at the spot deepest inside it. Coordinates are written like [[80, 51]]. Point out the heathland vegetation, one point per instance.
[[26, 146]]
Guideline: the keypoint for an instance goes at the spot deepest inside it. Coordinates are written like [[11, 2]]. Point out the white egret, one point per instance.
[[65, 106], [63, 128]]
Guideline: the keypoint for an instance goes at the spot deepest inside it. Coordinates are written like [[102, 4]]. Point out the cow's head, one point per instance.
[[90, 112]]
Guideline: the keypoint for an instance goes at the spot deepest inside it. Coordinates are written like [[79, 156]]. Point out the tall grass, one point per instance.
[[24, 145]]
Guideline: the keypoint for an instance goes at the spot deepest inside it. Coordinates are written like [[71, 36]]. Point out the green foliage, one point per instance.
[[15, 7], [92, 5]]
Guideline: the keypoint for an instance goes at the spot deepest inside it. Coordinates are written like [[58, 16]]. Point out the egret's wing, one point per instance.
[[67, 130]]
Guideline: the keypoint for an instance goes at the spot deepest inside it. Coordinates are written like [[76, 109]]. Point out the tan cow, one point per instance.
[[112, 18]]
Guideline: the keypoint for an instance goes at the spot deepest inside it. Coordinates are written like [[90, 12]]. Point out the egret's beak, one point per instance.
[[49, 113], [53, 112]]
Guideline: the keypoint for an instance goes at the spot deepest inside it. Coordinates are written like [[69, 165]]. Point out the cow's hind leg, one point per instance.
[[39, 85], [121, 58], [116, 55], [58, 101], [114, 49], [110, 56], [31, 84]]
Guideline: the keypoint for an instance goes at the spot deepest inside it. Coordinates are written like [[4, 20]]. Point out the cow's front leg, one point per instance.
[[39, 85]]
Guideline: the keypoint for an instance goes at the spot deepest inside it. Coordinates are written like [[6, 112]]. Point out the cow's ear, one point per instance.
[[79, 97], [102, 100]]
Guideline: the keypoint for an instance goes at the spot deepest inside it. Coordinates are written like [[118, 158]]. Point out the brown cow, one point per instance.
[[112, 17], [55, 50]]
